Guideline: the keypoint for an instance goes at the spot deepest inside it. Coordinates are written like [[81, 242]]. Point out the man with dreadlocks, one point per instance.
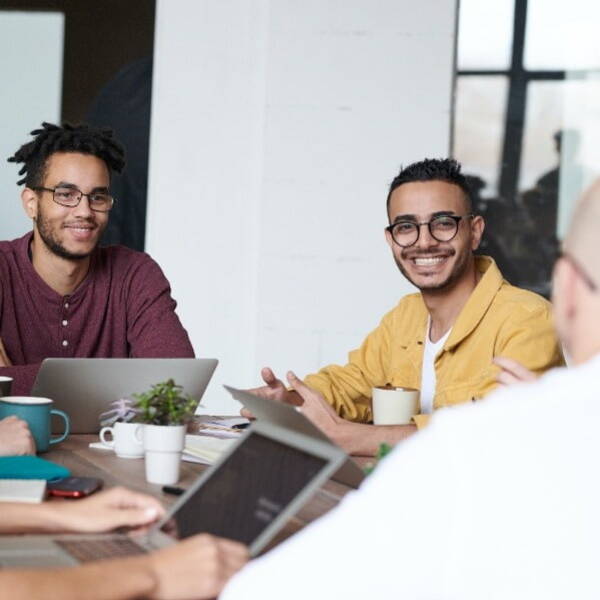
[[62, 295]]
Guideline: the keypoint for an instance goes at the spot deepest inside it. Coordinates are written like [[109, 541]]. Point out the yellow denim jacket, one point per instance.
[[497, 320]]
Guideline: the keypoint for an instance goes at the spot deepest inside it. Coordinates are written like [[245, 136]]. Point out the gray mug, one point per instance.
[[37, 412]]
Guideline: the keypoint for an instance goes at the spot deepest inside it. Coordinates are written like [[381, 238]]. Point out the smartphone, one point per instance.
[[74, 487]]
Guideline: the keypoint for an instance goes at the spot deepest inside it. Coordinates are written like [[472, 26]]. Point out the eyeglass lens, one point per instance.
[[72, 196], [442, 229]]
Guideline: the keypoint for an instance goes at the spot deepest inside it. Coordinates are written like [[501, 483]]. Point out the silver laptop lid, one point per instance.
[[285, 415], [255, 487], [85, 387]]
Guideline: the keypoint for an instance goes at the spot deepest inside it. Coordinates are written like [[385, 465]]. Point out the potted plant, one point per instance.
[[383, 450], [164, 411]]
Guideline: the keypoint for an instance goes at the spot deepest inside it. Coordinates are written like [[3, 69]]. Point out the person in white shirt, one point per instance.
[[495, 500]]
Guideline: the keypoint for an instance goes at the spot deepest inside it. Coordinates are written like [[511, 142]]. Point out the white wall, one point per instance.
[[276, 129], [31, 57]]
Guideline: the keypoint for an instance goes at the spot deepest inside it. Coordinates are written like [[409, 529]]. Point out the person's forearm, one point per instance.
[[364, 440], [47, 517], [164, 338], [118, 579], [155, 330]]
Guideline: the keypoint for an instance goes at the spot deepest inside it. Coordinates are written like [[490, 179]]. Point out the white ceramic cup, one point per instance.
[[394, 406], [163, 445], [124, 441]]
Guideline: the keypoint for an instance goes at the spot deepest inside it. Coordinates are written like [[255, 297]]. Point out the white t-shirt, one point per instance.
[[494, 500], [428, 380]]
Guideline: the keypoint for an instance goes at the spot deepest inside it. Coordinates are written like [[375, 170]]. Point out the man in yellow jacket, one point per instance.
[[443, 340]]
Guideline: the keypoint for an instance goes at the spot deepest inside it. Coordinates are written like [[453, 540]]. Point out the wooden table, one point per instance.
[[82, 461]]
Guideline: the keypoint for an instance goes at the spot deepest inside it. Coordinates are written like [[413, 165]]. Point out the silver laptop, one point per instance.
[[85, 387], [248, 496], [285, 415]]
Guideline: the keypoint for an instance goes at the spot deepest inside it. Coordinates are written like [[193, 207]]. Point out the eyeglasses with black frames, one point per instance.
[[442, 228], [71, 197]]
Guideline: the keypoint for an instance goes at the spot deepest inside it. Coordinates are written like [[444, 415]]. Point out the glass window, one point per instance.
[[560, 142], [20, 109], [485, 34], [479, 126], [541, 129], [580, 155], [527, 177], [562, 35]]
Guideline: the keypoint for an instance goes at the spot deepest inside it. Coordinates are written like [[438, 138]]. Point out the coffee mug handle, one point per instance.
[[103, 432], [139, 433], [65, 418]]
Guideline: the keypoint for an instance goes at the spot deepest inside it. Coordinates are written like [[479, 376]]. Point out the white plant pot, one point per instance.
[[163, 445]]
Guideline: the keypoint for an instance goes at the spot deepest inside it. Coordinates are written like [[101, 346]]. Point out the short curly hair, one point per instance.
[[433, 169], [97, 141]]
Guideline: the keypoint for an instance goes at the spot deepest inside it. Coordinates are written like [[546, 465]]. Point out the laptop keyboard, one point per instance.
[[88, 550]]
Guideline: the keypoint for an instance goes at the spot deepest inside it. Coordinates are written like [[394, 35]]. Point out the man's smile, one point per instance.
[[81, 231], [427, 261]]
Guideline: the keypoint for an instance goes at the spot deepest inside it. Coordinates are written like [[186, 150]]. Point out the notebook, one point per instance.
[[205, 449], [248, 495], [22, 490], [30, 467]]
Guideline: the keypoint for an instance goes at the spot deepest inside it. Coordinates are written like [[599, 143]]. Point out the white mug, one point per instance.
[[394, 406], [124, 441]]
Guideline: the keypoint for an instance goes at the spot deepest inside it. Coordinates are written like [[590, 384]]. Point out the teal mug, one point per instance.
[[37, 413]]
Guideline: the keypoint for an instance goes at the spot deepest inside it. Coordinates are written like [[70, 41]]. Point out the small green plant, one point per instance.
[[165, 404], [382, 452]]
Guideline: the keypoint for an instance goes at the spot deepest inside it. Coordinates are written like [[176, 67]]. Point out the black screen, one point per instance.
[[250, 489]]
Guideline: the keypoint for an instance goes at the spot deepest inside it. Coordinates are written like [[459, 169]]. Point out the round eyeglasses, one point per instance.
[[442, 229], [71, 197]]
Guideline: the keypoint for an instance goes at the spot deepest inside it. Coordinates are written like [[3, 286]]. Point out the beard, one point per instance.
[[48, 234], [458, 270]]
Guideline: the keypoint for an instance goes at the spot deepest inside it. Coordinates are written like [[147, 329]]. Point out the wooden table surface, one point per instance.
[[83, 461]]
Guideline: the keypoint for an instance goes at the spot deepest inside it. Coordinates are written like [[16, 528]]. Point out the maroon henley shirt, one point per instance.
[[123, 308]]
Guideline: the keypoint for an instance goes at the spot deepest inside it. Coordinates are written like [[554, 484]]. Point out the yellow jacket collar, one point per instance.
[[479, 301], [472, 312]]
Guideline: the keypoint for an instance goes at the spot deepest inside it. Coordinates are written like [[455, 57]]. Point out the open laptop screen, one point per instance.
[[250, 489]]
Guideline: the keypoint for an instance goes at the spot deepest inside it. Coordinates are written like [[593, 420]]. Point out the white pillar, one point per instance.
[[276, 129]]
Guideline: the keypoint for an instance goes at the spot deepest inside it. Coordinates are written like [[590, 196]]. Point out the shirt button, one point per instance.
[[65, 323], [65, 343], [66, 305]]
